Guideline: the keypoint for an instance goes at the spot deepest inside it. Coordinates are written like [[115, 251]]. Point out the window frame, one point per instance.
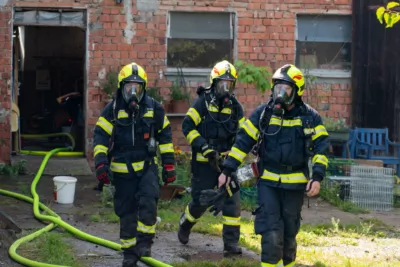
[[198, 74], [324, 73]]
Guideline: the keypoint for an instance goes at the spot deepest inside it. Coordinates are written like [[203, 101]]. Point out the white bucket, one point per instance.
[[64, 189]]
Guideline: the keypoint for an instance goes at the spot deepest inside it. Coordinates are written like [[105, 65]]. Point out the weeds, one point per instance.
[[14, 170], [50, 248]]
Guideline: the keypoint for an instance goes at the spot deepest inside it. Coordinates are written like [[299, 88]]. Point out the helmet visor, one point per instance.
[[132, 89], [224, 86], [284, 92]]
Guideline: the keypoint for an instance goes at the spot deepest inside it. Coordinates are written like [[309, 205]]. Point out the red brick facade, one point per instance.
[[265, 36]]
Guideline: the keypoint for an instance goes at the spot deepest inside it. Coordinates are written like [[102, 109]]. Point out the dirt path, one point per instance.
[[166, 247]]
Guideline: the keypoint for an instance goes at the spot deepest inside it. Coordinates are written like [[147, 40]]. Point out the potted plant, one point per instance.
[[111, 85], [179, 99], [337, 129]]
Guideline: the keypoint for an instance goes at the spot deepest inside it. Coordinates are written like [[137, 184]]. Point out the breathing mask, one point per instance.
[[283, 95], [132, 93], [223, 90]]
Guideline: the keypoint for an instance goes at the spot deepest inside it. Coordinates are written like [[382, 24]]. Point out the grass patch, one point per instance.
[[331, 194], [50, 248]]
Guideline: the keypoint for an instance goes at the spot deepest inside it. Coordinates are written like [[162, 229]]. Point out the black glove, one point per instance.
[[102, 173], [212, 156], [168, 173], [216, 198], [213, 198]]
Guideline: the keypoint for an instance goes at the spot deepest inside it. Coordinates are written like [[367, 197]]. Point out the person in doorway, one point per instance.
[[285, 133], [210, 126], [125, 139]]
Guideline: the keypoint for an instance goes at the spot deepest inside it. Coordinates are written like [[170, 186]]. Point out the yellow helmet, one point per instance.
[[223, 70], [291, 74], [132, 73]]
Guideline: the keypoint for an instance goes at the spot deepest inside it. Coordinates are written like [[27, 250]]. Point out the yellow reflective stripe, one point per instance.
[[145, 228], [149, 114], [155, 160], [166, 123], [207, 151], [212, 108], [201, 158], [320, 130], [127, 243], [138, 166], [287, 123], [238, 154], [193, 134], [233, 221], [122, 114], [192, 113], [119, 167], [278, 264], [290, 264], [241, 121], [226, 111], [250, 129], [166, 148], [189, 216], [100, 149], [104, 124], [322, 159], [308, 131], [292, 178]]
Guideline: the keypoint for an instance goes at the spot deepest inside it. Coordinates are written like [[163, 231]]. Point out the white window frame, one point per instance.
[[198, 74], [322, 73]]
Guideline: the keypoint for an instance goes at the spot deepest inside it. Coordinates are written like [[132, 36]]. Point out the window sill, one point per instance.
[[341, 74], [190, 74]]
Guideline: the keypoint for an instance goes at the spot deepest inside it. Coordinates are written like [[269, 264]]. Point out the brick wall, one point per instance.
[[265, 36]]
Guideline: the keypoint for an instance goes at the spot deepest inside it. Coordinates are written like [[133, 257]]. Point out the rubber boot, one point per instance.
[[232, 250], [143, 251], [184, 229], [130, 260]]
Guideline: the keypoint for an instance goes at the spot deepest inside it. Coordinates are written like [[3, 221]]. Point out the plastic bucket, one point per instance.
[[64, 189]]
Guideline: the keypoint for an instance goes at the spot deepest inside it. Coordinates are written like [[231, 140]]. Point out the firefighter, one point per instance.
[[125, 148], [210, 126], [285, 133]]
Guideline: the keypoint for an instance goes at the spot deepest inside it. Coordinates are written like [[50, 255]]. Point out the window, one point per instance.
[[324, 42], [199, 39]]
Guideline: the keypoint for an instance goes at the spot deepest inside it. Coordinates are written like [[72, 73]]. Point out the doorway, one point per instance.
[[49, 65]]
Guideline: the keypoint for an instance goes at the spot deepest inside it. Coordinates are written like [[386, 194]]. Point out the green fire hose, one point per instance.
[[56, 221], [44, 153]]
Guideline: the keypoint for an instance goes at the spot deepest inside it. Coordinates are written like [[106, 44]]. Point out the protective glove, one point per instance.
[[102, 173], [169, 173], [212, 156], [213, 198], [216, 198]]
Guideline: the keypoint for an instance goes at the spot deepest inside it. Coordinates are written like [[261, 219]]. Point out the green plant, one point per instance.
[[388, 14], [111, 84], [154, 92], [335, 125], [178, 92], [258, 76], [14, 169]]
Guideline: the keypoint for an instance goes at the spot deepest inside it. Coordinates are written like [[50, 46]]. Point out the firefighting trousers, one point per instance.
[[204, 177], [135, 203], [278, 222]]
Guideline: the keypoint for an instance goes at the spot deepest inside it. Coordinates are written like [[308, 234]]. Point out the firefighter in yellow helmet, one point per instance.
[[210, 126], [125, 139], [284, 134]]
